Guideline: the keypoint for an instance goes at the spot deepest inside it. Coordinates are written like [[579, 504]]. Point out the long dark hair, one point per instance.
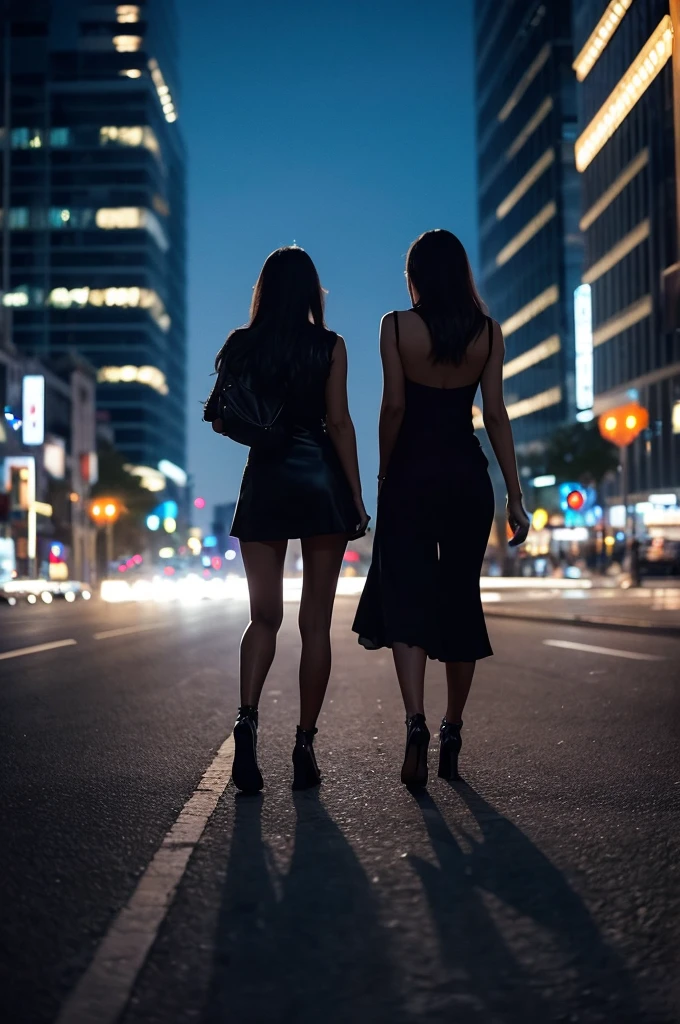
[[438, 267], [281, 342]]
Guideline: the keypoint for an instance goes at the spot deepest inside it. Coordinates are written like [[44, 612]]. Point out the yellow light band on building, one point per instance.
[[629, 316], [127, 44], [547, 298], [525, 183], [637, 79], [599, 37], [527, 233], [145, 298], [617, 252], [524, 83], [529, 128], [149, 375], [534, 355], [163, 91], [526, 406], [615, 189], [537, 402]]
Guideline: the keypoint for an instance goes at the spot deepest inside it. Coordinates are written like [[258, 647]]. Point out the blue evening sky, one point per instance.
[[344, 125]]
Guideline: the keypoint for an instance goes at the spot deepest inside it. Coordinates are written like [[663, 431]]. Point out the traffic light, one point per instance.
[[576, 500]]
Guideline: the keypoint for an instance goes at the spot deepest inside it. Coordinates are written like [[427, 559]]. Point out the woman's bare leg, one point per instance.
[[410, 664], [321, 564], [458, 682], [263, 563]]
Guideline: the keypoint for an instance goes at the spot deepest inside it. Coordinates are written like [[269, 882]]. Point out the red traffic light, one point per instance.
[[576, 500]]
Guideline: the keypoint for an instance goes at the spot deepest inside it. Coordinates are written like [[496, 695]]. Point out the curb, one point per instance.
[[594, 621]]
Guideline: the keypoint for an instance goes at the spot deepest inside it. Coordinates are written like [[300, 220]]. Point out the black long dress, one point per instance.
[[301, 490], [435, 513]]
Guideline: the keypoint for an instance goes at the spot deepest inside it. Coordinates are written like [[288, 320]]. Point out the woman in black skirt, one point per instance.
[[307, 488], [436, 504]]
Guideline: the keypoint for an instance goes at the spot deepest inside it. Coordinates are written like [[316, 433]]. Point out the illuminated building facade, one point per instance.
[[627, 167], [530, 249], [95, 229]]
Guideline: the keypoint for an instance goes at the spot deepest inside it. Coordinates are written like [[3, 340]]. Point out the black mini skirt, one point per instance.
[[299, 491]]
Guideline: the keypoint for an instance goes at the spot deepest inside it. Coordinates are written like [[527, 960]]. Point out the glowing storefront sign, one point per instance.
[[33, 409], [583, 340]]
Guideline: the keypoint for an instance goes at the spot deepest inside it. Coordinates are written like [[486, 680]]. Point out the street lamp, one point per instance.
[[105, 512], [621, 426]]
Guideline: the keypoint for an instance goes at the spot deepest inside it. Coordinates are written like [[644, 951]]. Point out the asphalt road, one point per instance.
[[545, 888]]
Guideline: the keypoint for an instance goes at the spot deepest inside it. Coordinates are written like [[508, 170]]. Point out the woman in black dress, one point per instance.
[[436, 504], [307, 488]]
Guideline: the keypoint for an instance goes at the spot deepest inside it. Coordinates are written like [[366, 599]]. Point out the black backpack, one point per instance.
[[249, 416]]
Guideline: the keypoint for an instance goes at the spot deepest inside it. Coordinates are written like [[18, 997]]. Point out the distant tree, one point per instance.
[[115, 482], [578, 452]]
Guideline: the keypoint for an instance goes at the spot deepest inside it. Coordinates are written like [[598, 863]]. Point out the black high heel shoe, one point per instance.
[[245, 771], [450, 743], [306, 772], [414, 768]]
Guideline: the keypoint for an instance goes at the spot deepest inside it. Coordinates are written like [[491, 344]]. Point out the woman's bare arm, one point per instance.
[[497, 425], [339, 422], [392, 407]]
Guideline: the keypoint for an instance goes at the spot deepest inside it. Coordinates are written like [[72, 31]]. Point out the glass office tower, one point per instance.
[[625, 154], [94, 207], [530, 249]]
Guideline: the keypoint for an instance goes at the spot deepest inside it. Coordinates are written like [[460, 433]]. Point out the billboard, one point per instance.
[[583, 339], [33, 409]]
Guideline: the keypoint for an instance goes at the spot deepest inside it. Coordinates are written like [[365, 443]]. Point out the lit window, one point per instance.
[[543, 301], [131, 297], [130, 73], [133, 135], [617, 253], [120, 217], [534, 355], [529, 128], [127, 14], [525, 183], [615, 189], [59, 137], [599, 37], [26, 138], [629, 316], [58, 217], [19, 217], [151, 376], [524, 83], [637, 79], [676, 418], [127, 44], [16, 299], [527, 233], [163, 91]]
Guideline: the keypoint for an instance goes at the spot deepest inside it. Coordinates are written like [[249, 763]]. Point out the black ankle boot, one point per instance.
[[414, 769], [244, 770], [450, 743], [306, 772]]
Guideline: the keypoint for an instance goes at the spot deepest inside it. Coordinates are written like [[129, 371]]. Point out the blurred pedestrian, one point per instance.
[[282, 389], [435, 496]]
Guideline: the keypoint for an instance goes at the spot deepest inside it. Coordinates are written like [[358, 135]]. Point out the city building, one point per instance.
[[626, 160], [530, 249], [94, 210], [47, 466]]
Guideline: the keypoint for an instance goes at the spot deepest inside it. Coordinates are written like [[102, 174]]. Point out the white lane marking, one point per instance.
[[632, 655], [104, 989], [20, 651], [124, 630]]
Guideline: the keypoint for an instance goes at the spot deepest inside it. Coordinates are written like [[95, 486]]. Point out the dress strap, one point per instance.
[[396, 327]]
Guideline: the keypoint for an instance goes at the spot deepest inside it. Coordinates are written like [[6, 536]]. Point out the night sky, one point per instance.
[[344, 125]]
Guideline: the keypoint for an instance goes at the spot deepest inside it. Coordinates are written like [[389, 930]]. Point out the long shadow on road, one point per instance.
[[303, 946], [529, 950]]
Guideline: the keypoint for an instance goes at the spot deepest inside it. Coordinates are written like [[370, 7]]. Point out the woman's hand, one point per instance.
[[518, 519], [364, 518]]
